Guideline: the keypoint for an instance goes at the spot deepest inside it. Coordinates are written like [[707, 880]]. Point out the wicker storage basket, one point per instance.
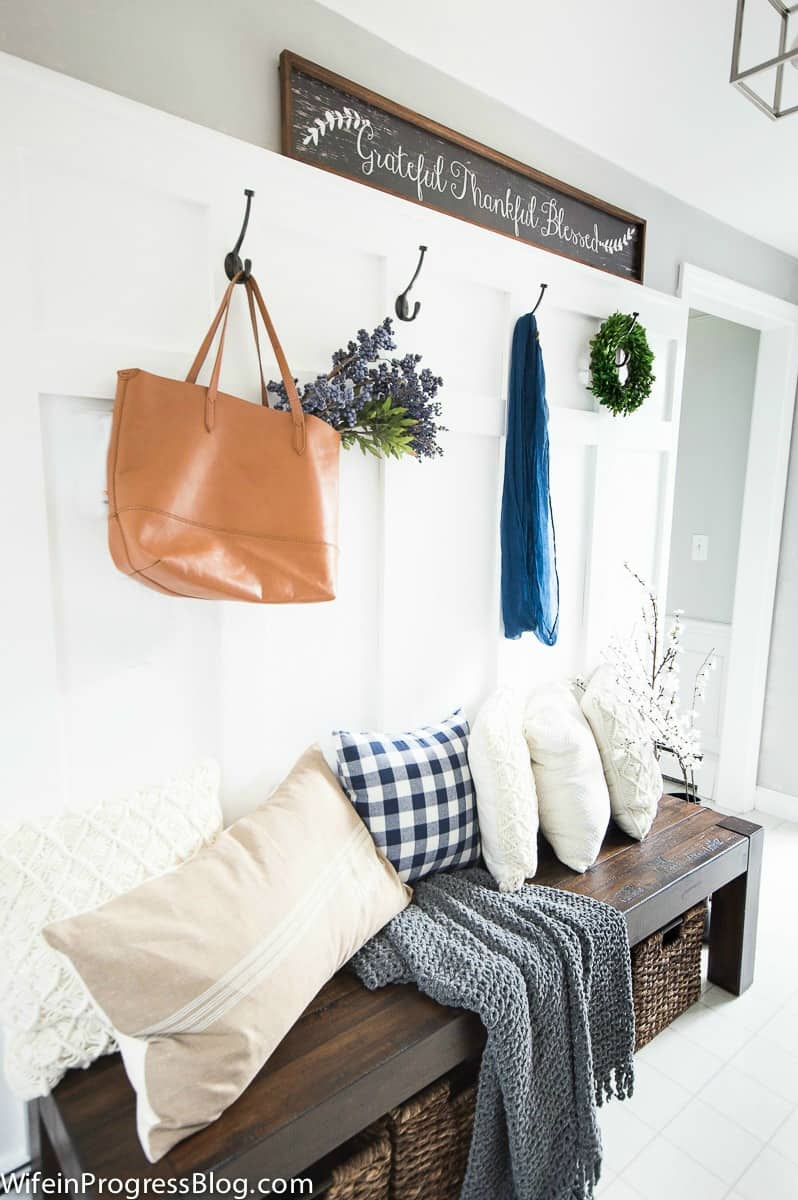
[[365, 1174], [424, 1137], [666, 974], [464, 1106]]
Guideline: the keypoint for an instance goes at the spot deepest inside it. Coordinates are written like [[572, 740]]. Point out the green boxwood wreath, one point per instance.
[[615, 333]]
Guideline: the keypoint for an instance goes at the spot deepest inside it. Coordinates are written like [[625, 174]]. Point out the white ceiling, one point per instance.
[[643, 83]]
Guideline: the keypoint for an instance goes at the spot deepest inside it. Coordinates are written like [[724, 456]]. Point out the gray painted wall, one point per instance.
[[719, 376], [215, 63]]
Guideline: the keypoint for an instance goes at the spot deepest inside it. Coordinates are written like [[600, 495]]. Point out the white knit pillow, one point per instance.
[[627, 754], [68, 864], [507, 804], [573, 801]]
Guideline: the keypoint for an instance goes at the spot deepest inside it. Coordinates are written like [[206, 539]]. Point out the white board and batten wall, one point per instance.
[[114, 223]]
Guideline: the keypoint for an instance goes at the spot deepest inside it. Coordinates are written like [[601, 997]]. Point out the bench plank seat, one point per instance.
[[652, 882], [355, 1054]]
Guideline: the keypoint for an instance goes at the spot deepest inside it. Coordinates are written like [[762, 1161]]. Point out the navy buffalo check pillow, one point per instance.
[[415, 794]]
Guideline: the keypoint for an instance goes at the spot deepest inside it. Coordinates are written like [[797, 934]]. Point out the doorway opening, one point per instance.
[[714, 432], [741, 481]]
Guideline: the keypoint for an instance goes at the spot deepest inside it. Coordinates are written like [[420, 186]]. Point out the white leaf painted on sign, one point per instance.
[[334, 119]]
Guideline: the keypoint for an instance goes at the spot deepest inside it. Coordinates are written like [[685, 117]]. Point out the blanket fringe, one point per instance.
[[587, 1178], [619, 1082]]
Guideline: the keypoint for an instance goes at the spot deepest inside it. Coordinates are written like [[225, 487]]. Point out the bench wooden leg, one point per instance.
[[42, 1154], [735, 909]]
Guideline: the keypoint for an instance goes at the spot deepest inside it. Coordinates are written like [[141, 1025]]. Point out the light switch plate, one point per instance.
[[700, 549]]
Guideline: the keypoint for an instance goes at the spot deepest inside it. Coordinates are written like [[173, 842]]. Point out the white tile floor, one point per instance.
[[715, 1109]]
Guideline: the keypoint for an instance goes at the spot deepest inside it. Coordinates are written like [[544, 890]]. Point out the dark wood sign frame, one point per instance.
[[291, 64]]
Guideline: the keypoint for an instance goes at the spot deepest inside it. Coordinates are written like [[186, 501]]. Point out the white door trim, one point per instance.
[[760, 529]]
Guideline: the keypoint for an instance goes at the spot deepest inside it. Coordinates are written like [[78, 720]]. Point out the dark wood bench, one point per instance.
[[355, 1054]]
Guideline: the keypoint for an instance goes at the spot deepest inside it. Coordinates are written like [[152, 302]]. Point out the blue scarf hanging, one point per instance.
[[530, 587]]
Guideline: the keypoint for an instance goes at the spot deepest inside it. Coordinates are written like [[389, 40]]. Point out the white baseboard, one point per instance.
[[13, 1159], [778, 804]]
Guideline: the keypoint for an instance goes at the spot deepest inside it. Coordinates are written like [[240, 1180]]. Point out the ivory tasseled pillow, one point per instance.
[[203, 971], [627, 753]]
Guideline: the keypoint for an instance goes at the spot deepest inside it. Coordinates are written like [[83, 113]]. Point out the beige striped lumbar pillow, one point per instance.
[[203, 971]]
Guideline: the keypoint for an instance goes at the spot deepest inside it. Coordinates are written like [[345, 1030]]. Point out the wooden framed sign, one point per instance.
[[337, 125]]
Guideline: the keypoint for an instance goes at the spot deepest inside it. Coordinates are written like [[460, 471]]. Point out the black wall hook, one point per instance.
[[543, 287], [232, 262], [624, 358], [402, 306]]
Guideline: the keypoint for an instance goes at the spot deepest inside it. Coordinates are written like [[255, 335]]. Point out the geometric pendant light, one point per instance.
[[785, 51]]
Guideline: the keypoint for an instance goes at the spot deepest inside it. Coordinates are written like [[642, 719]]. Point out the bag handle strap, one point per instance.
[[205, 346], [222, 314], [264, 395], [196, 366], [285, 374]]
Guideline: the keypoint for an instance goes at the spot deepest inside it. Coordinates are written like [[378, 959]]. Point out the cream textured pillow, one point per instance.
[[507, 803], [66, 864], [573, 801], [627, 754], [203, 971]]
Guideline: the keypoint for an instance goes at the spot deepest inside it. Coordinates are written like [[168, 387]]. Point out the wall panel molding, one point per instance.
[[415, 629]]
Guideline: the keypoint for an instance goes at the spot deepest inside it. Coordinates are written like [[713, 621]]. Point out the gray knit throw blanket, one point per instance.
[[549, 974]]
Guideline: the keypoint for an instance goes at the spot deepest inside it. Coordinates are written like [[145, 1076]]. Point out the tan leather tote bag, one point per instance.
[[218, 498]]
